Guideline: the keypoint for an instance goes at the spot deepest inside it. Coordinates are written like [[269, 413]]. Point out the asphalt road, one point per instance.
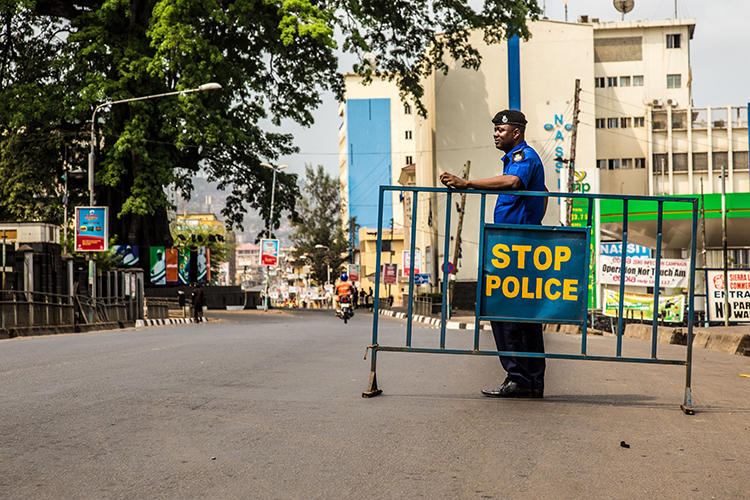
[[256, 405]]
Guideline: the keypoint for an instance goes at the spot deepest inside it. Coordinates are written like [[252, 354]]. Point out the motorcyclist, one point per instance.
[[343, 289]]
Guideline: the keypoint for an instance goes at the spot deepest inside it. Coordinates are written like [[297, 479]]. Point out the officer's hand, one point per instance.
[[451, 180]]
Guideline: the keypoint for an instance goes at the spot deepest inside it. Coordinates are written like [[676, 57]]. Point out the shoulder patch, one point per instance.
[[518, 156]]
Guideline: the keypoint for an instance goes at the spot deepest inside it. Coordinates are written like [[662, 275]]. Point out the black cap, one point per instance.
[[510, 117]]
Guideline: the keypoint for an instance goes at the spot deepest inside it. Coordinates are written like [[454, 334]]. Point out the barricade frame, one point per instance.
[[374, 347]]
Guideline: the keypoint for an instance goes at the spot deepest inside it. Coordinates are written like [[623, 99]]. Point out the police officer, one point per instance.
[[522, 170]]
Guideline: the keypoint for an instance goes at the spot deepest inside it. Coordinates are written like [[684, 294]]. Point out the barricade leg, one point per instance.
[[372, 386]]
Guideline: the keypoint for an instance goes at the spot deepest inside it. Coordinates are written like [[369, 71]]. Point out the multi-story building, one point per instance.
[[637, 131]]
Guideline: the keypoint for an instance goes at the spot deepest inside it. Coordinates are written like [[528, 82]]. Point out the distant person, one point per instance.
[[199, 300], [370, 300], [363, 298], [343, 289]]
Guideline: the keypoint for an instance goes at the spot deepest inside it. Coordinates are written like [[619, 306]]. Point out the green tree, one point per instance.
[[274, 59], [318, 232]]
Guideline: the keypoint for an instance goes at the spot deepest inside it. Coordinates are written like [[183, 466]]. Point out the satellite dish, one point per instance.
[[624, 6]]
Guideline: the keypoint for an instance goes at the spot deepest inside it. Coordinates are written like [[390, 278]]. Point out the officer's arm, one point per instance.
[[499, 183]]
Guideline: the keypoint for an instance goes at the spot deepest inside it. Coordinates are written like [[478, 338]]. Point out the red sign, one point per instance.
[[390, 274], [172, 265], [91, 233], [353, 272]]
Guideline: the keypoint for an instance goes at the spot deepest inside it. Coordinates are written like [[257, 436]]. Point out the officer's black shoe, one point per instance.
[[510, 389], [537, 392]]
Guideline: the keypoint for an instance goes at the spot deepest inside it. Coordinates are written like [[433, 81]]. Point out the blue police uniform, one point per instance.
[[523, 162]]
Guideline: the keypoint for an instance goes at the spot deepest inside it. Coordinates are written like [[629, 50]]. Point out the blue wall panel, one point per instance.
[[368, 132], [514, 73]]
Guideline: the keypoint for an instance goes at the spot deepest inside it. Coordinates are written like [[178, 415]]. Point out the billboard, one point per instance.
[[641, 271], [157, 266], [641, 306], [126, 255], [91, 233], [183, 266], [269, 252], [390, 274], [203, 263], [353, 272], [405, 262], [738, 299], [172, 265]]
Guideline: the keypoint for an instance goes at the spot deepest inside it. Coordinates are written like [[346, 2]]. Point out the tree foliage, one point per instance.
[[274, 59], [318, 234]]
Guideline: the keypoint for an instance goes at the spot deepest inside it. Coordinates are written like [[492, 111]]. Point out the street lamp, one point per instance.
[[270, 218], [92, 157], [328, 264], [273, 190]]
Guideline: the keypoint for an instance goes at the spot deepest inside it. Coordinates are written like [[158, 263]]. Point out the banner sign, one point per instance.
[[534, 273], [640, 271], [739, 295], [158, 266], [126, 255], [92, 233], [421, 279], [405, 262], [390, 274], [353, 272], [202, 265], [637, 306], [614, 248], [269, 252], [172, 265], [183, 266], [579, 218]]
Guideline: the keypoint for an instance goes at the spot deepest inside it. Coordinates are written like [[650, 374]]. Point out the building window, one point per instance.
[[739, 160], [625, 123], [613, 164], [407, 134], [600, 123], [626, 163], [679, 162], [700, 162], [599, 82], [637, 80], [673, 41], [409, 160], [638, 121], [407, 109], [640, 163], [674, 81], [624, 81], [612, 122], [601, 164], [611, 81]]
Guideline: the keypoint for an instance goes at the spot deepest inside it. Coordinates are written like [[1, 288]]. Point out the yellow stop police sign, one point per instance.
[[534, 273]]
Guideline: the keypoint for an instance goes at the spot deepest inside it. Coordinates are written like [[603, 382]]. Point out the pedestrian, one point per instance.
[[198, 300], [355, 297], [522, 170], [370, 299], [363, 298]]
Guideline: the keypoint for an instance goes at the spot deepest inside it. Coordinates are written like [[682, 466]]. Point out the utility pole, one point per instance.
[[724, 241], [572, 161], [703, 242], [459, 229]]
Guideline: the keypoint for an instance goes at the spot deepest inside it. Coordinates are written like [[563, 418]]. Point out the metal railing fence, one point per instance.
[[580, 319]]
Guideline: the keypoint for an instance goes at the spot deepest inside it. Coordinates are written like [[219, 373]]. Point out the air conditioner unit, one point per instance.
[[657, 103], [672, 102]]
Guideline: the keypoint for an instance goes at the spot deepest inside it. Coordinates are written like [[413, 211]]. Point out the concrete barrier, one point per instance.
[[664, 334], [731, 339]]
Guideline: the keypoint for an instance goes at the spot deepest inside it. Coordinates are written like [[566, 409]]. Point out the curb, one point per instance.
[[434, 322], [160, 322]]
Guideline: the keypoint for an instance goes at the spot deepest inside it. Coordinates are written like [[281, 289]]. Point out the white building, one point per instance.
[[634, 102]]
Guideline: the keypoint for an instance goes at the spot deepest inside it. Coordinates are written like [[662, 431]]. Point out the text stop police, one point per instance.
[[534, 274]]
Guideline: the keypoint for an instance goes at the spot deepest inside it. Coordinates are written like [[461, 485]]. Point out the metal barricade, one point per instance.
[[581, 316]]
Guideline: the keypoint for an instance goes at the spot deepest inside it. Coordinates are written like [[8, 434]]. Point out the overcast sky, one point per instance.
[[717, 52]]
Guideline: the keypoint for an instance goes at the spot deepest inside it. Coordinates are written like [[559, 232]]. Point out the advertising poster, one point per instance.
[[390, 274], [202, 265], [172, 265], [637, 306], [158, 265], [405, 262], [183, 266], [633, 250], [91, 229], [641, 271], [269, 252], [353, 272], [126, 255], [534, 273], [739, 295]]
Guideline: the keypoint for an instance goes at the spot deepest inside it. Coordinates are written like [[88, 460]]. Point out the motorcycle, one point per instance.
[[345, 308]]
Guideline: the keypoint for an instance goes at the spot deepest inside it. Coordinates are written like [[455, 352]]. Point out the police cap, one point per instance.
[[510, 117]]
